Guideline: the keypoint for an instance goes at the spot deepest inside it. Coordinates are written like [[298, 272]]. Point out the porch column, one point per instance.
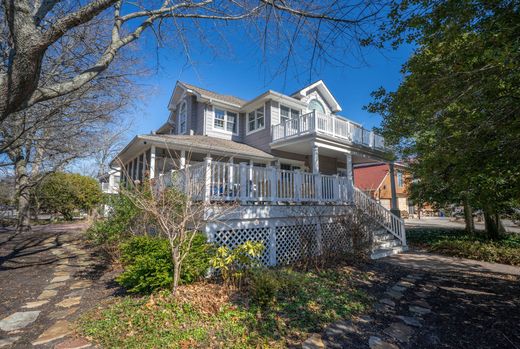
[[182, 160], [315, 159], [231, 178], [393, 206], [207, 179], [152, 162], [350, 176]]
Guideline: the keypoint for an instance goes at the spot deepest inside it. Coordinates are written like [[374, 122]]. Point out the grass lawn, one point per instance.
[[455, 242], [210, 315]]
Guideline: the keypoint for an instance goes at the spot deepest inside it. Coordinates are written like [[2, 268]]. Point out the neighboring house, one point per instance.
[[272, 150], [109, 181], [375, 181]]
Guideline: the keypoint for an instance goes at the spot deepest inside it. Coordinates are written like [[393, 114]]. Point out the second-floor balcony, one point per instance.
[[338, 128]]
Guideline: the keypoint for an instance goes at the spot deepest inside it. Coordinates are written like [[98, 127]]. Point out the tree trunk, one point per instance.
[[23, 193], [176, 269], [468, 218], [491, 221]]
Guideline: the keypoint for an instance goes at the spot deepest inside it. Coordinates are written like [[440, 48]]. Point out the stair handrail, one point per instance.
[[390, 221]]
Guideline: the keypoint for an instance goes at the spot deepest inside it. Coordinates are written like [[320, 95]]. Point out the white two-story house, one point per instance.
[[272, 150]]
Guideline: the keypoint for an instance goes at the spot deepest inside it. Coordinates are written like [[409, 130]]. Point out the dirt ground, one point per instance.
[[421, 300], [53, 273]]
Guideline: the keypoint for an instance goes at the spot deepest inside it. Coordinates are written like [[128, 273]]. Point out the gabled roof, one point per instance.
[[210, 95], [324, 91], [369, 177]]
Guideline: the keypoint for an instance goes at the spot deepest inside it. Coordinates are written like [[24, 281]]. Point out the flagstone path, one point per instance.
[[48, 277], [437, 302]]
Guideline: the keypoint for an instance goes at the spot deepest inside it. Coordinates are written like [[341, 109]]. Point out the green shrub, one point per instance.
[[116, 227], [234, 263], [264, 286], [67, 193], [267, 285], [148, 263]]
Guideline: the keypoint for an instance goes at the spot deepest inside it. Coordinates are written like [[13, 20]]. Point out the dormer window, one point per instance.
[[183, 115], [316, 105]]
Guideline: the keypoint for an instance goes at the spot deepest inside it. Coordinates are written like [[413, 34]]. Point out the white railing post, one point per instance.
[[273, 183], [336, 188], [315, 122], [297, 185], [318, 185], [207, 179], [250, 184], [231, 179], [243, 181]]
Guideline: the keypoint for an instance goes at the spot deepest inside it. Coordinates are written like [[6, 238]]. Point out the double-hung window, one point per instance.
[[183, 114], [255, 120], [287, 113], [225, 120]]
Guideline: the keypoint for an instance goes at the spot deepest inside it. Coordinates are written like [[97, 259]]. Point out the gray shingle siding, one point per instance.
[[261, 139]]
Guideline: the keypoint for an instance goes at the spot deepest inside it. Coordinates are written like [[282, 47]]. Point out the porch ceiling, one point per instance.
[[303, 145]]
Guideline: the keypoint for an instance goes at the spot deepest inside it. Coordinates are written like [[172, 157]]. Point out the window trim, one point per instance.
[[185, 118], [225, 130], [256, 118], [319, 102], [290, 111]]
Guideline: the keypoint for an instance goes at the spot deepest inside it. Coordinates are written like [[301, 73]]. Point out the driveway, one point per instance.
[[49, 277]]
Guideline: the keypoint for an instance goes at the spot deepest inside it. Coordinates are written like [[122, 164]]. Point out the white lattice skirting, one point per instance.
[[288, 233]]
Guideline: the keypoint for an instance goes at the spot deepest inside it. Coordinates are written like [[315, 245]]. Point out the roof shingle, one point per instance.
[[210, 144], [226, 98]]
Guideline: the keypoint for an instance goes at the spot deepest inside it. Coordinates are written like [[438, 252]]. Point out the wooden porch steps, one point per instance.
[[386, 244]]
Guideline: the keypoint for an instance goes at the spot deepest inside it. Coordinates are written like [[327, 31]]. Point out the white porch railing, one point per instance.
[[387, 219], [331, 125], [220, 181]]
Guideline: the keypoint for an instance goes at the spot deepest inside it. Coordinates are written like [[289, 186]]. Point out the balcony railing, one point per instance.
[[330, 125]]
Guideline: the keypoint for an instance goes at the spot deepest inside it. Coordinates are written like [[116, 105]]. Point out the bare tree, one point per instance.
[[31, 31], [173, 203]]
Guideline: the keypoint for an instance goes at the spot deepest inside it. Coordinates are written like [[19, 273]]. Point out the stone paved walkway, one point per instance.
[[438, 302], [47, 277]]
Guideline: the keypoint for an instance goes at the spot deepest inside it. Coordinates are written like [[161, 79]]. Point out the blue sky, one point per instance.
[[245, 72]]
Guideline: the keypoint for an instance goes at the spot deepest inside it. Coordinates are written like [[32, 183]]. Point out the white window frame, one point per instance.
[[256, 129], [315, 99], [290, 112], [224, 129], [185, 117]]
